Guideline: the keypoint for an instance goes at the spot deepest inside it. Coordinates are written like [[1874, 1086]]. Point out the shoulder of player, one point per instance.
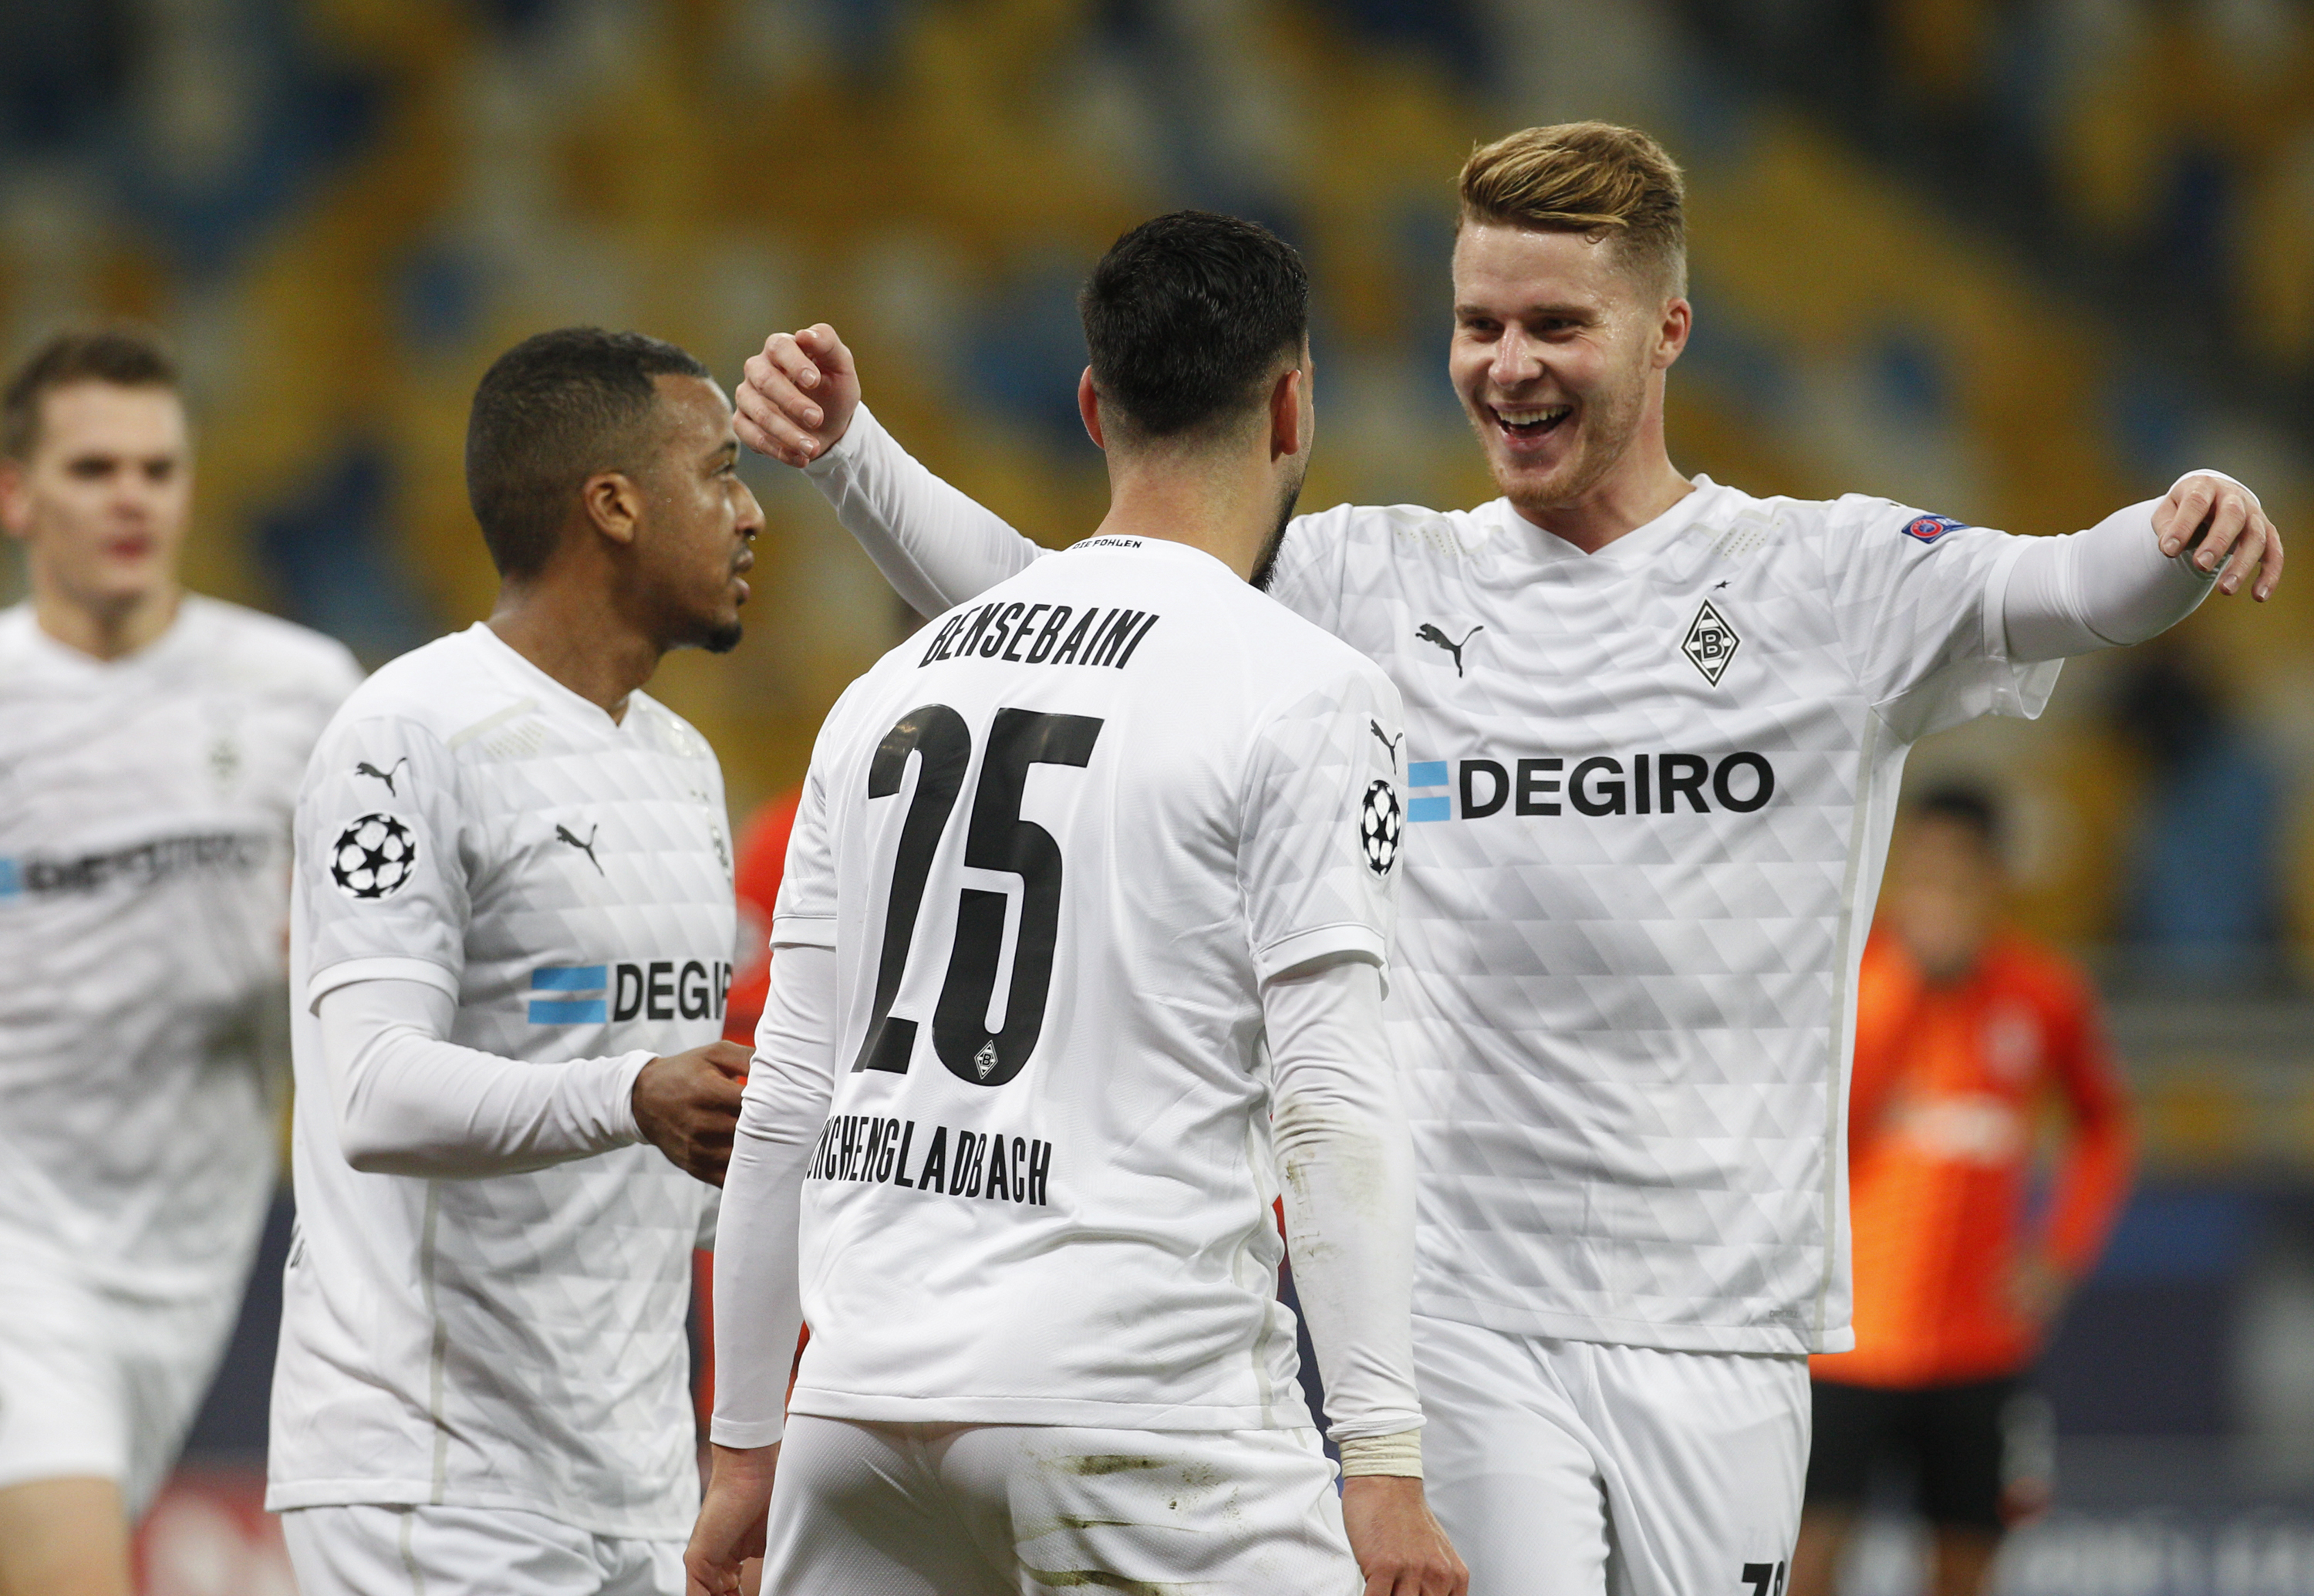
[[2044, 971], [674, 733], [1348, 525], [265, 649], [1292, 659], [434, 689], [1866, 518]]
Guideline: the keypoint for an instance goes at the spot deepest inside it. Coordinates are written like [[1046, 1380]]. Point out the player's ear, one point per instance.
[[614, 505], [1289, 411], [1089, 409], [1670, 334]]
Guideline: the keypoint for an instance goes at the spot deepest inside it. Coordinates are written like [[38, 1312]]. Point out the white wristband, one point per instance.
[[1399, 1454]]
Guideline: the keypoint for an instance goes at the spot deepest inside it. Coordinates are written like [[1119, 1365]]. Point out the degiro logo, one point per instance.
[[592, 994], [1654, 783]]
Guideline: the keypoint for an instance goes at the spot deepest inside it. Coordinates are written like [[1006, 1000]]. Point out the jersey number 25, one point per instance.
[[997, 839]]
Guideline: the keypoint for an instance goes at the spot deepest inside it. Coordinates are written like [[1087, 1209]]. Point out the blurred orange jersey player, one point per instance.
[[763, 857], [1966, 1031]]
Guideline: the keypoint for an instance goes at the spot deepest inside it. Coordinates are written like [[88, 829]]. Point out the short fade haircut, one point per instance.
[[125, 357], [1592, 178], [1964, 805], [1186, 318], [551, 413]]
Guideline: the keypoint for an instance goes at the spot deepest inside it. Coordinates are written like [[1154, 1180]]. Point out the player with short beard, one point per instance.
[[1655, 731], [1037, 1252], [510, 936], [151, 744]]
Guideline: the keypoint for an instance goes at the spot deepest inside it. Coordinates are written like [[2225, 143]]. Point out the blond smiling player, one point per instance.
[[1655, 730]]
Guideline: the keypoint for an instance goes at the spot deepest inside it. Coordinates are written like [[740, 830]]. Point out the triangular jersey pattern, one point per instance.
[[515, 1341], [1058, 839], [1637, 888], [144, 808]]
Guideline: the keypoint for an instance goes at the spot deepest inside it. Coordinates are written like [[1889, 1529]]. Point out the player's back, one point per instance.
[[1058, 839]]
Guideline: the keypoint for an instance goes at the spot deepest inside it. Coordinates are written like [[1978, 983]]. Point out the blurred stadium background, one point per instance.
[[2014, 261]]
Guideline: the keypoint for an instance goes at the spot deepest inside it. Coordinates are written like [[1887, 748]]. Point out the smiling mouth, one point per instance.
[[1529, 420]]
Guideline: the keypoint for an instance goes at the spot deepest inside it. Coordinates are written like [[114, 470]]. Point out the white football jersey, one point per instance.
[[515, 1341], [144, 808], [1057, 840], [1649, 794]]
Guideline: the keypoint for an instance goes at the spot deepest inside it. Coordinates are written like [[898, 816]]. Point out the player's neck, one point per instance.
[[1225, 511], [1643, 486], [579, 637], [103, 630]]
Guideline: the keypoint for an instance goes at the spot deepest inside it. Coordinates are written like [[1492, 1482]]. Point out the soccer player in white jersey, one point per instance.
[[1654, 729], [151, 743], [1065, 860], [511, 929]]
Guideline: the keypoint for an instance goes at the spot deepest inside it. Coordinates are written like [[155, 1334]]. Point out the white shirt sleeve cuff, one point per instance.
[[745, 1436], [1349, 936], [346, 971], [844, 450], [803, 931]]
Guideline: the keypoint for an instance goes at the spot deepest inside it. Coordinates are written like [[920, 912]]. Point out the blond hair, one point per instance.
[[1591, 178]]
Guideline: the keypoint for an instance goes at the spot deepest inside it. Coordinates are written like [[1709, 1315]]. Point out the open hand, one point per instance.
[[687, 1105], [2220, 520], [799, 395], [1399, 1546]]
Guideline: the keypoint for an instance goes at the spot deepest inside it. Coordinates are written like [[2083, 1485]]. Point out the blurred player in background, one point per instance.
[[1655, 731], [762, 856], [1039, 1260], [1965, 1029], [511, 934], [151, 744]]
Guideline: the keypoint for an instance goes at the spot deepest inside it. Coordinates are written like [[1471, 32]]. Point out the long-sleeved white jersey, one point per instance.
[[1649, 795], [145, 809], [510, 1340], [1056, 845]]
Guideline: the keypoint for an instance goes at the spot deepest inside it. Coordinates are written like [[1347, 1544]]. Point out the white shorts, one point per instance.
[[363, 1549], [862, 1509], [1579, 1468], [103, 1384]]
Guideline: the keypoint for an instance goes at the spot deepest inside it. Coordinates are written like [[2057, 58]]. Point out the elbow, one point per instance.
[[369, 1154], [371, 1148]]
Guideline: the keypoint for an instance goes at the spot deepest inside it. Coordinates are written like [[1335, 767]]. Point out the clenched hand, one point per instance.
[[799, 396], [687, 1105]]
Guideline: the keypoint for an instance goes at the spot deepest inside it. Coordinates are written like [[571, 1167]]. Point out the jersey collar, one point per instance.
[[1639, 544], [542, 687], [1159, 548]]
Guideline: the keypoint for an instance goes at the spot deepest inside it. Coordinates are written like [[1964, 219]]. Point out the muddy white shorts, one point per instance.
[[862, 1509], [101, 1383], [1581, 1468], [365, 1549]]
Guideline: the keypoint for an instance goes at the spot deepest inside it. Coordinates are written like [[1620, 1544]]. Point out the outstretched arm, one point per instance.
[[1348, 1171], [938, 547], [2140, 570]]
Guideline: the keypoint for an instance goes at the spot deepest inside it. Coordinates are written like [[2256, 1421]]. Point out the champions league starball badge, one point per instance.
[[1378, 827], [374, 857]]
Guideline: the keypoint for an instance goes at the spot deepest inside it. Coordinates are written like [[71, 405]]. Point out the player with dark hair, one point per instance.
[[151, 743], [1655, 725], [1031, 1227], [1967, 1030], [511, 934]]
